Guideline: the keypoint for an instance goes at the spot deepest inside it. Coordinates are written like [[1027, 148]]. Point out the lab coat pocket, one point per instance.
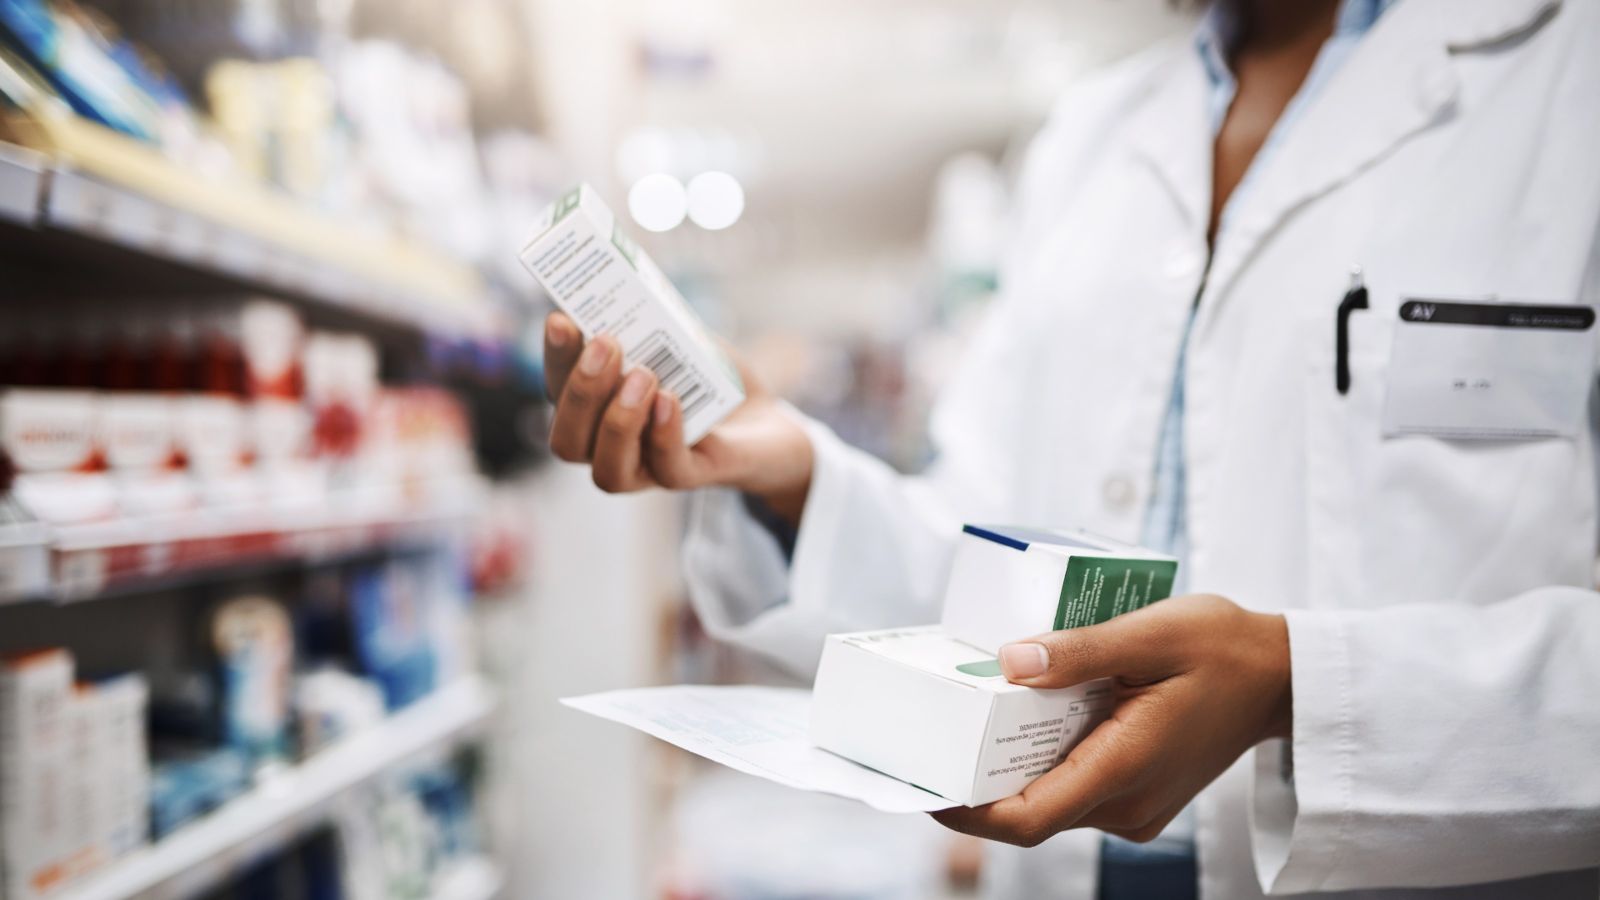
[[1489, 371], [1406, 510]]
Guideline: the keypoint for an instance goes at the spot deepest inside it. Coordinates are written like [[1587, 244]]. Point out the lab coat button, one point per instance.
[[1118, 492], [1437, 87], [1181, 263]]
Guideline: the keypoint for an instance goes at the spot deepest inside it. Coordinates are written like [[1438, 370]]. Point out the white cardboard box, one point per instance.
[[611, 287], [1010, 583], [35, 740], [123, 776], [48, 430], [922, 707]]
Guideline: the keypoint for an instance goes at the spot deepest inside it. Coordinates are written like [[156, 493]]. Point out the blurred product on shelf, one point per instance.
[[398, 837], [188, 785], [411, 119], [500, 548], [215, 819], [364, 130], [331, 704], [410, 625], [294, 679], [280, 123], [408, 835], [103, 77], [74, 773], [232, 409], [372, 131], [252, 639]]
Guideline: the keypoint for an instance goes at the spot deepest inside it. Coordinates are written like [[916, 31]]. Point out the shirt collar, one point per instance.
[[1219, 29], [1356, 17], [1216, 34]]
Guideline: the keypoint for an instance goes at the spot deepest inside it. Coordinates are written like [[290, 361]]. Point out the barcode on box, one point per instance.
[[673, 374]]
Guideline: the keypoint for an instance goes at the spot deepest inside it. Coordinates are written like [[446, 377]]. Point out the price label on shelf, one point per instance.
[[23, 572], [21, 180], [81, 573]]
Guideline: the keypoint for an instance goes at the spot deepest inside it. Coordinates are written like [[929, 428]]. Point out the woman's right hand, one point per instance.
[[631, 434]]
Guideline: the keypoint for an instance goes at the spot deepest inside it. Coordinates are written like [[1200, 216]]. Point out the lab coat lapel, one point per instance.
[[1169, 131], [1399, 82]]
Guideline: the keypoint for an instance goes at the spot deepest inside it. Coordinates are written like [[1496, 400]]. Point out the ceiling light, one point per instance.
[[716, 200]]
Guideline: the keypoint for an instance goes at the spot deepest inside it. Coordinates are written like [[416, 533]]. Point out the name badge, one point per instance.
[[1490, 371]]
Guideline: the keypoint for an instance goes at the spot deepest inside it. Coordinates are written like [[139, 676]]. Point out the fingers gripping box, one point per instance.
[[927, 709], [609, 286], [1010, 583]]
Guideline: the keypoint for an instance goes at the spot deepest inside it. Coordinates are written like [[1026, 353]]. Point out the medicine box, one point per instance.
[[38, 841], [1009, 583], [920, 706], [609, 286]]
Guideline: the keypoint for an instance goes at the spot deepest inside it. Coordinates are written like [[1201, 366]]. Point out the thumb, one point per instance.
[[1126, 647]]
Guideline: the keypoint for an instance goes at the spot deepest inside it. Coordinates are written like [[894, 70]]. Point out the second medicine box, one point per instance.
[[1010, 583]]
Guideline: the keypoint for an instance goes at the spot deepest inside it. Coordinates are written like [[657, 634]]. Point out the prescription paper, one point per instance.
[[760, 731]]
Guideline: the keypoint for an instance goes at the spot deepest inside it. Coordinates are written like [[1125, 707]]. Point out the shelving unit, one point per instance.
[[80, 183], [206, 852], [127, 269]]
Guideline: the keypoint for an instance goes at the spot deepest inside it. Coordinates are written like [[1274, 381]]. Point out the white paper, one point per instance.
[[760, 731]]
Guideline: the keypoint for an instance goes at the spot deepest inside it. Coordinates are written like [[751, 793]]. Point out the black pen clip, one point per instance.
[[1354, 299]]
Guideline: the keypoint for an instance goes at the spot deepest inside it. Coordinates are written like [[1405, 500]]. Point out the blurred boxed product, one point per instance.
[[611, 287], [50, 437], [131, 411], [121, 409], [920, 706], [253, 640], [74, 772], [1009, 583]]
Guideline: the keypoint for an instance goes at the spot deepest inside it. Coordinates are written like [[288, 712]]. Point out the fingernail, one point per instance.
[[1024, 660], [633, 389], [557, 335], [596, 357], [663, 408]]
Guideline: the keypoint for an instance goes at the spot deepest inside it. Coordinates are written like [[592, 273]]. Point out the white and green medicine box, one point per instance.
[[1009, 583], [922, 707], [609, 286]]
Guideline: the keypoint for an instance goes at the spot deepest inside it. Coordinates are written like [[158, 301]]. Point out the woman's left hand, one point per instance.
[[1199, 682]]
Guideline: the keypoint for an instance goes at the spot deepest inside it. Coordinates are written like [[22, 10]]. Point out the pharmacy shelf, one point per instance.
[[475, 878], [23, 175], [207, 852], [102, 559], [97, 186]]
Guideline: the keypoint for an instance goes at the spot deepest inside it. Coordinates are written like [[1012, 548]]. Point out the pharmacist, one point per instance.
[[1390, 476]]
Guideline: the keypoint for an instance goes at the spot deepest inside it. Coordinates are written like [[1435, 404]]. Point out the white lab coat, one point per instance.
[[1444, 630]]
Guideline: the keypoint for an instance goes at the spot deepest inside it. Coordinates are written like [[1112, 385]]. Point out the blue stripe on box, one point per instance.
[[997, 536], [1021, 538]]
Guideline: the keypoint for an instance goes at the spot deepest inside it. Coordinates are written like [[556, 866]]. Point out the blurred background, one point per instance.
[[288, 587]]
